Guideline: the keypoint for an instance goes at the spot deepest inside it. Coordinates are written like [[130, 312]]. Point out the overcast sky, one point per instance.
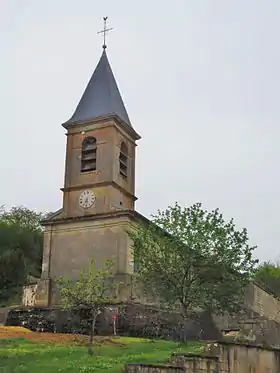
[[200, 81]]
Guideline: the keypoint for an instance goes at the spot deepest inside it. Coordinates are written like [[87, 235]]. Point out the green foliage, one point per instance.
[[194, 258], [22, 217], [23, 356], [94, 288], [268, 274], [21, 247], [91, 292]]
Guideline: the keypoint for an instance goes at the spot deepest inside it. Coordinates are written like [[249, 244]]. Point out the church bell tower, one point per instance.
[[100, 153], [98, 191]]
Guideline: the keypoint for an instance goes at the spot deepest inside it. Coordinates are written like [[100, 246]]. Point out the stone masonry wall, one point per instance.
[[197, 363], [217, 358], [263, 303], [132, 320], [249, 326], [259, 323], [245, 358]]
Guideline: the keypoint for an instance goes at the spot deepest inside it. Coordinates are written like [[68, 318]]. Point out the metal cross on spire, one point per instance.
[[104, 31]]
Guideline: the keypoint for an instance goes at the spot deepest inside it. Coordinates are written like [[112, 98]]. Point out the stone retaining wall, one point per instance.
[[218, 358], [197, 363], [259, 323], [263, 302], [186, 363], [245, 358], [133, 320]]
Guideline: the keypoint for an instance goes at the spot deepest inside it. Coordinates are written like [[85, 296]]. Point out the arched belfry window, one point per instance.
[[88, 159], [123, 160]]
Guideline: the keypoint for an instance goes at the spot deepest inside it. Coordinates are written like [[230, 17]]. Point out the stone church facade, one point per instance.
[[98, 192], [99, 208]]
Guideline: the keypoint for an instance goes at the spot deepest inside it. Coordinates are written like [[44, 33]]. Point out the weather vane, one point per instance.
[[104, 31]]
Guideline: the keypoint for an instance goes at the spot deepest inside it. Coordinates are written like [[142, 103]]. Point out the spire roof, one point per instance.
[[101, 97]]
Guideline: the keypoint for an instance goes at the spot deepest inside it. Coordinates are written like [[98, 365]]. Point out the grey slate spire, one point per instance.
[[101, 97]]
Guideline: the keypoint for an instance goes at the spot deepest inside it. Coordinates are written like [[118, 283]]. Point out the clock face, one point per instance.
[[86, 199]]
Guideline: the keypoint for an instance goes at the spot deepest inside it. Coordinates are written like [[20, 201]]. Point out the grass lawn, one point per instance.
[[19, 355]]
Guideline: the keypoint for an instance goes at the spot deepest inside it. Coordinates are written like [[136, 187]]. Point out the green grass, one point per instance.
[[20, 356]]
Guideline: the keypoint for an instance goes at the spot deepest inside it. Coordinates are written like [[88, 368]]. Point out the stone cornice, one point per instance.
[[132, 214], [100, 185]]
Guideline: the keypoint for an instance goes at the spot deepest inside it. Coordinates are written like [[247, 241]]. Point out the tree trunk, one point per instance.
[[187, 317], [93, 322]]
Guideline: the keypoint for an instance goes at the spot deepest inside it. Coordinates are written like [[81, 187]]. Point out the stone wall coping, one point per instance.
[[162, 366], [200, 356], [244, 344], [55, 308], [266, 289]]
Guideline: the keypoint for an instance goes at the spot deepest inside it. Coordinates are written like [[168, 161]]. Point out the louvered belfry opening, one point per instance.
[[89, 151], [123, 160]]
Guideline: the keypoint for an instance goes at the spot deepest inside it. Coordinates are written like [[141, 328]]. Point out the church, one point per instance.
[[99, 208], [98, 193]]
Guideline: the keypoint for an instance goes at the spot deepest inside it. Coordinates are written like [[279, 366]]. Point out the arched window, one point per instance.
[[88, 159], [123, 160]]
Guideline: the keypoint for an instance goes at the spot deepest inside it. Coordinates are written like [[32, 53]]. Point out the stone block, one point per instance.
[[42, 296]]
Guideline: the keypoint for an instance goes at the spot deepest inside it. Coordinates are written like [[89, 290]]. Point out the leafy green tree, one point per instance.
[[21, 247], [194, 259], [268, 274], [92, 292], [11, 268], [22, 217]]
